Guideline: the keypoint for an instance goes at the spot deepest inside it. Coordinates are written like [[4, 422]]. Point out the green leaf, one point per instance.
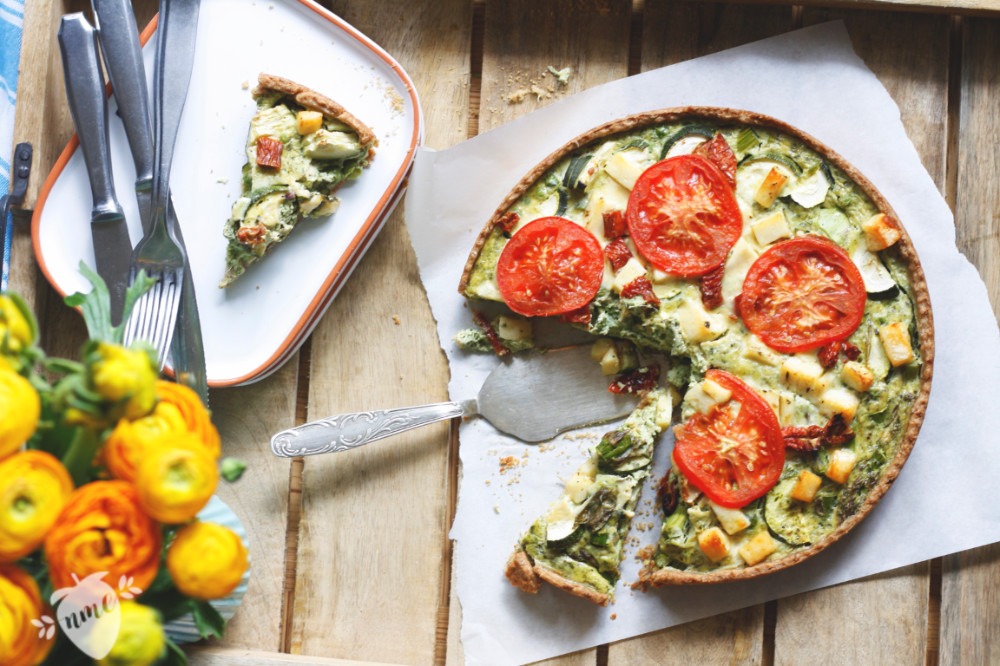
[[79, 459], [174, 655], [208, 621], [232, 469], [96, 305]]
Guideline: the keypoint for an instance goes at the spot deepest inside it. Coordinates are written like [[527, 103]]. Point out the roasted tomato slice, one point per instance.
[[801, 294], [734, 453], [550, 266], [682, 215]]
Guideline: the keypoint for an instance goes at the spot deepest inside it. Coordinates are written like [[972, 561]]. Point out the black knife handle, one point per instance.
[[119, 38], [89, 107]]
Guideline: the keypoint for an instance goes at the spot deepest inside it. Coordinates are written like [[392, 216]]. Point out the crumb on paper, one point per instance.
[[222, 181], [508, 463], [245, 85], [614, 616], [496, 509], [396, 320]]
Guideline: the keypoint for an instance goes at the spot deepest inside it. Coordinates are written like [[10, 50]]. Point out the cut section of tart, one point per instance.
[[784, 288], [577, 544], [301, 147]]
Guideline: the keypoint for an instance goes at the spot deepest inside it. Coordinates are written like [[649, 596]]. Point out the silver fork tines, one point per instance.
[[155, 312]]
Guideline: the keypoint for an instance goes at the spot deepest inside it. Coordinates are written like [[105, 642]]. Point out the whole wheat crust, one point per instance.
[[520, 569], [314, 101], [529, 575]]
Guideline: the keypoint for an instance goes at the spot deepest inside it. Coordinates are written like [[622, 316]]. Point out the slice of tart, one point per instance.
[[301, 147], [577, 544]]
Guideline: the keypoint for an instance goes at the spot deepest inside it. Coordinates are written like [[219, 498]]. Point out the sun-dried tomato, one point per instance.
[[251, 236], [711, 287], [614, 224], [641, 286], [718, 151], [269, 152], [617, 253], [813, 437], [667, 494], [850, 351], [491, 335], [638, 380], [828, 354], [508, 221]]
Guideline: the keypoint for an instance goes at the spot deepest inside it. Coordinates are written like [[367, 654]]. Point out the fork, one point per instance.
[[158, 253]]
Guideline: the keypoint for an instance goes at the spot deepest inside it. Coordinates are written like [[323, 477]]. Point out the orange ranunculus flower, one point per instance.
[[206, 560], [103, 528], [178, 412], [20, 408], [175, 482], [20, 603], [184, 401], [34, 488]]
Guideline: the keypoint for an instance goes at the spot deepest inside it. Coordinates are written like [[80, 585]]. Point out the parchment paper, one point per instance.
[[812, 79]]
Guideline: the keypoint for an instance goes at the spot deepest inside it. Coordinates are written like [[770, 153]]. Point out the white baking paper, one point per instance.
[[812, 79]]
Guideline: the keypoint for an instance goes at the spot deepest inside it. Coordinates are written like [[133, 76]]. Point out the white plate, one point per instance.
[[255, 325]]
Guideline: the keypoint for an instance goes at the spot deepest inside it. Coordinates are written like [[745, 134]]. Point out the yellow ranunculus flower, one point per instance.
[[16, 332], [34, 488], [20, 408], [126, 377], [206, 561], [178, 412], [176, 479], [141, 640], [20, 603]]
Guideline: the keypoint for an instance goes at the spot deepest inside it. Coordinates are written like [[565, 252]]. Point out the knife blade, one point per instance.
[[119, 38], [88, 106]]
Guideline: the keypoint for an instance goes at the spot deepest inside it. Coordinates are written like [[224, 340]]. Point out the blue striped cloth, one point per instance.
[[11, 24]]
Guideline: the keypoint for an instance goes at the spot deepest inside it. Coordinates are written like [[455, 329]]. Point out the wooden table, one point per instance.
[[351, 556]]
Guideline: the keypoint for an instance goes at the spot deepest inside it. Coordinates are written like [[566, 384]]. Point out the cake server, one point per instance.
[[532, 397]]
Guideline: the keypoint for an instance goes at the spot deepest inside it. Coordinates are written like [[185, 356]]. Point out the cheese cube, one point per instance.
[[770, 188], [514, 328], [771, 228], [741, 258], [896, 342], [600, 348], [696, 324], [757, 351], [307, 122], [881, 231], [857, 375], [841, 463], [838, 401], [716, 391], [714, 543], [699, 399], [626, 167], [758, 548], [632, 269], [803, 375], [579, 484], [732, 520], [664, 410], [806, 486]]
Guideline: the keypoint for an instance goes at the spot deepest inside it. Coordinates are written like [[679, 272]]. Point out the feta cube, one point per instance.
[[714, 544], [842, 461], [806, 486], [838, 400], [771, 228], [732, 520], [857, 375], [632, 269], [803, 375], [896, 342], [758, 548], [770, 188], [881, 231]]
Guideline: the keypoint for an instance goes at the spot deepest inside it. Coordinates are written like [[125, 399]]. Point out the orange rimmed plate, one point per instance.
[[255, 325]]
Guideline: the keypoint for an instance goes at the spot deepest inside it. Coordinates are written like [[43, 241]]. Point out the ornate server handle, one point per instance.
[[349, 431]]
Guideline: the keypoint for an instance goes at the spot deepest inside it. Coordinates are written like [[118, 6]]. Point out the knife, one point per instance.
[[119, 37], [88, 106]]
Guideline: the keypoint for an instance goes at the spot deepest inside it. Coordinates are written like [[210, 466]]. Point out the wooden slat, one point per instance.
[[839, 620], [370, 572], [970, 603], [521, 40], [671, 33], [964, 7], [218, 656]]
